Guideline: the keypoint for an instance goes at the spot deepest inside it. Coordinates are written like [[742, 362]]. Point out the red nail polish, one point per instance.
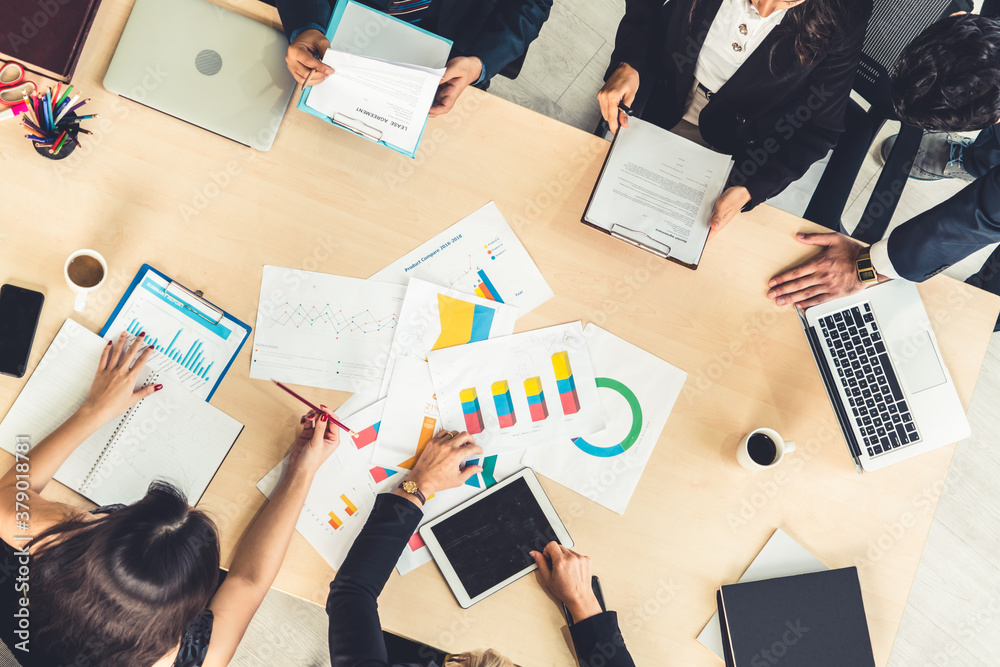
[[323, 417], [158, 387], [141, 334], [109, 342]]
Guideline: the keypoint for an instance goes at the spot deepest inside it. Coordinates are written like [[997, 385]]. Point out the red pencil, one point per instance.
[[353, 434]]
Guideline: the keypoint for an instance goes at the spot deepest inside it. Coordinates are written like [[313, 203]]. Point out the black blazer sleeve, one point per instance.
[[637, 27], [355, 629], [769, 166], [508, 31], [599, 643], [951, 231], [297, 14]]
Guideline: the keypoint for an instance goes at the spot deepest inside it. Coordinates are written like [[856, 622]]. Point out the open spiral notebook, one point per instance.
[[173, 435]]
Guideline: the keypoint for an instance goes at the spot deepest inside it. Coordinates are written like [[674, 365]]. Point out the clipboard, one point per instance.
[[636, 237], [343, 120], [192, 315]]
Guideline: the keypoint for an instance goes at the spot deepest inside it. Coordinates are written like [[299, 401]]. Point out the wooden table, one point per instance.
[[211, 213]]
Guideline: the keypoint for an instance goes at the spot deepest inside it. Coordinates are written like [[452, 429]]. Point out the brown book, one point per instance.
[[46, 36]]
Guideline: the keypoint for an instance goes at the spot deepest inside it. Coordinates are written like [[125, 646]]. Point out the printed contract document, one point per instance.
[[657, 190], [383, 100]]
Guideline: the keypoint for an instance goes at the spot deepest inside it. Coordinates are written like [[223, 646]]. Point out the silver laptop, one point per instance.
[[206, 65], [883, 371]]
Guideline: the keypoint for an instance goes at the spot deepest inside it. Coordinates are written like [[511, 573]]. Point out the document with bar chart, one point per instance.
[[479, 255], [638, 391], [435, 317], [519, 391], [200, 339], [322, 330]]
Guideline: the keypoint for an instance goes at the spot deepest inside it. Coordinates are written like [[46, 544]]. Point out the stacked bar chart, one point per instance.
[[426, 433], [193, 359], [564, 381], [472, 412], [350, 509], [504, 404], [485, 288], [536, 399]]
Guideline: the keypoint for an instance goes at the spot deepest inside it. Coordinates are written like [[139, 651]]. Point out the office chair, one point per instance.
[[894, 24]]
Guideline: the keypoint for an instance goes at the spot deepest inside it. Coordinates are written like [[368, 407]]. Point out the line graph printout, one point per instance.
[[478, 255], [326, 331]]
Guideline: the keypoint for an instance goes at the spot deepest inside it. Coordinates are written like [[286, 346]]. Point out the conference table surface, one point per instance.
[[211, 213]]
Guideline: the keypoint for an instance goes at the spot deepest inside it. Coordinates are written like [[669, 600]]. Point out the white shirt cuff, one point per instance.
[[881, 262]]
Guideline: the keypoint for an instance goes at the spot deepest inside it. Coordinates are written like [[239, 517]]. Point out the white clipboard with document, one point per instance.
[[384, 48], [657, 191]]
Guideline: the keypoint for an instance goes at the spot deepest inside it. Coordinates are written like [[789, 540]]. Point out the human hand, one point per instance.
[[459, 74], [113, 389], [567, 575], [319, 438], [829, 275], [439, 466], [727, 206], [305, 54], [620, 87]]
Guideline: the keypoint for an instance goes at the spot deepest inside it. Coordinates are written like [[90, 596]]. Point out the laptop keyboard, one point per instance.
[[866, 374]]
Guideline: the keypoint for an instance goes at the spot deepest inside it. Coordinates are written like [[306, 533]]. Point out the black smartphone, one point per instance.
[[19, 311]]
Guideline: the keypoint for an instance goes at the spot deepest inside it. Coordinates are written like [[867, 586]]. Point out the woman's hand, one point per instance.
[[567, 575], [459, 74], [319, 438], [621, 87], [305, 54], [727, 206], [439, 466], [113, 390]]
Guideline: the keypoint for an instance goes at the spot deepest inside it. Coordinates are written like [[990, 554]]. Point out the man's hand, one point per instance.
[[567, 575], [829, 275], [621, 87], [304, 54], [459, 74], [727, 206]]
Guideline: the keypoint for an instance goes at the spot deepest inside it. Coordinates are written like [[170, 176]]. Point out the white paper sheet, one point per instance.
[[325, 331], [411, 416], [381, 99], [781, 557], [434, 317], [368, 32], [491, 389], [638, 390], [479, 255], [659, 189]]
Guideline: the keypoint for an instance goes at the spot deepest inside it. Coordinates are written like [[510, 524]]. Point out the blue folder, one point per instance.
[[361, 43]]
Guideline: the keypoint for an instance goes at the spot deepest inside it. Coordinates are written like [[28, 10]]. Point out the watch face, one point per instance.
[[410, 487], [867, 276]]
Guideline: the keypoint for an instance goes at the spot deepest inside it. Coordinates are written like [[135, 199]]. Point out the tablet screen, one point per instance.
[[489, 541]]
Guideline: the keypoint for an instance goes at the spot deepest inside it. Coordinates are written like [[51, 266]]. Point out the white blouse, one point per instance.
[[736, 32]]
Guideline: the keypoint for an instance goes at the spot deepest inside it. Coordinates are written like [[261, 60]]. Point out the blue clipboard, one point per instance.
[[191, 305], [357, 126]]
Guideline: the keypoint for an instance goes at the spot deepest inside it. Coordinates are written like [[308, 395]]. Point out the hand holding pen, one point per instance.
[[304, 58]]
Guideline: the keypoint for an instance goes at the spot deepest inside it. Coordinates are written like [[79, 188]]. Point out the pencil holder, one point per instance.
[[64, 152]]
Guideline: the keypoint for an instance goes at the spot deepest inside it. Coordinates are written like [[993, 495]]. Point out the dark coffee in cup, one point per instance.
[[762, 449], [85, 271]]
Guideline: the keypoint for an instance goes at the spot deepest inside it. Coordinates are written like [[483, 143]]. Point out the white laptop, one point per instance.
[[882, 368], [205, 65]]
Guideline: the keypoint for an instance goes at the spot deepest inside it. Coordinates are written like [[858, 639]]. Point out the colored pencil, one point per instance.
[[77, 106], [327, 412], [59, 142], [65, 94]]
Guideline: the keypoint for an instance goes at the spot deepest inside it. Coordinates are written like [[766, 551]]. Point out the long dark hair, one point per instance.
[[814, 25], [120, 590]]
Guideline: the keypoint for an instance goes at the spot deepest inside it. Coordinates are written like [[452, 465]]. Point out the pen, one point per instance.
[[305, 84], [624, 107], [327, 412]]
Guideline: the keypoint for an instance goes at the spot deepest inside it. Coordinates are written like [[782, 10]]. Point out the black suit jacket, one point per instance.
[[355, 631], [951, 231], [775, 116], [496, 31]]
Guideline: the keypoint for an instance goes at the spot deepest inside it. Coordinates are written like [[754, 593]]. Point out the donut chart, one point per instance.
[[633, 434]]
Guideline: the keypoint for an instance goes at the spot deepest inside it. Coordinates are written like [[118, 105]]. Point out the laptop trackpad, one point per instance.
[[916, 359]]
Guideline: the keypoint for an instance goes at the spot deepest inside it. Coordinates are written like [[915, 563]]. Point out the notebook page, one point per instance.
[[172, 436]]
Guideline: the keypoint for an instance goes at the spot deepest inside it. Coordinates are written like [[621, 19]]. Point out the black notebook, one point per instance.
[[809, 620]]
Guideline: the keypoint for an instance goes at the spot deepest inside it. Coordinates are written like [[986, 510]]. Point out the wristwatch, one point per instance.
[[413, 490], [866, 270]]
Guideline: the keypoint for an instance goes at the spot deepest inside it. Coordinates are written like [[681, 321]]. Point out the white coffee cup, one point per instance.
[[83, 275], [781, 447]]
